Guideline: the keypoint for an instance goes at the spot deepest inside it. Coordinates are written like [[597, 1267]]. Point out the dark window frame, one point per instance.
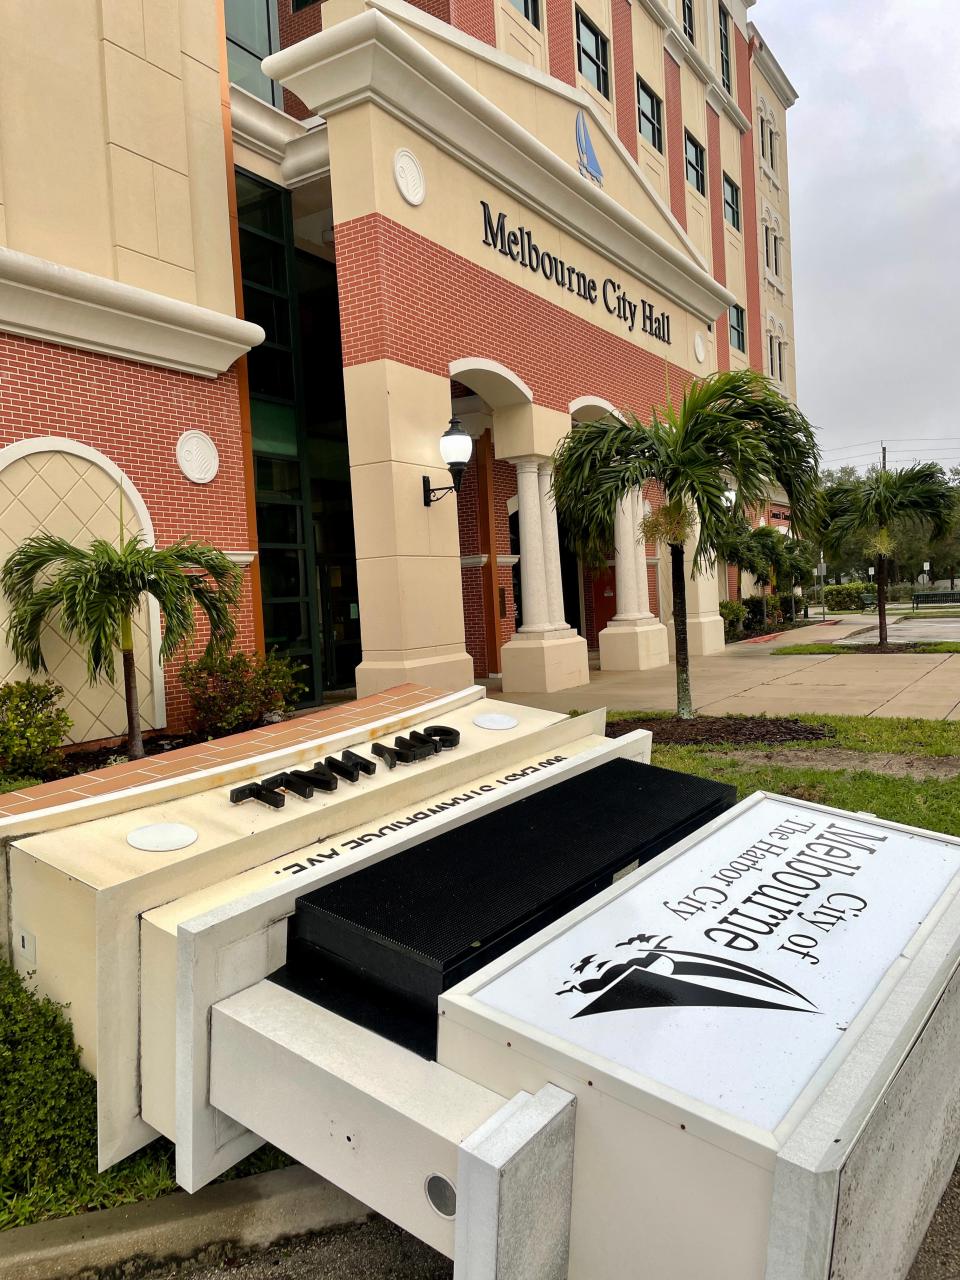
[[652, 119], [599, 62], [738, 327], [689, 20], [529, 9], [732, 203], [726, 53], [695, 163], [273, 39], [298, 5]]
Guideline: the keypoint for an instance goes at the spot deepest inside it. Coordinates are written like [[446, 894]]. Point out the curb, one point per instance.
[[250, 1213]]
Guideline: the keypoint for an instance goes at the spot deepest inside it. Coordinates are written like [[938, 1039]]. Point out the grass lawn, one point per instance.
[[933, 803], [934, 646]]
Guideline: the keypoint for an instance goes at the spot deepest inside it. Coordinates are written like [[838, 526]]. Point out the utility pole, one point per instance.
[[883, 456]]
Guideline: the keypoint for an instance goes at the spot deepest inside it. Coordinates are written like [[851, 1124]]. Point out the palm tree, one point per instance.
[[731, 429], [767, 547], [800, 561], [94, 592], [876, 504]]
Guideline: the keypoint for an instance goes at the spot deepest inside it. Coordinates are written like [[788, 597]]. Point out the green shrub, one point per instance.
[[48, 1123], [847, 595], [235, 691], [734, 615], [48, 1103], [32, 727]]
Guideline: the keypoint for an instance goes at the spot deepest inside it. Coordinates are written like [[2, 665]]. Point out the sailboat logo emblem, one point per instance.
[[651, 974], [589, 164]]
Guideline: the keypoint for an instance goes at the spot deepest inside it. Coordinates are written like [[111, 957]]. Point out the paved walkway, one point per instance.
[[912, 631], [749, 679]]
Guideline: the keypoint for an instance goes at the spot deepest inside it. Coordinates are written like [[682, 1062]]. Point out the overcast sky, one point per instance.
[[874, 148]]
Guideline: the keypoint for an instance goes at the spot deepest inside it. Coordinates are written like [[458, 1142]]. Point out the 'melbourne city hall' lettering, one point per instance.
[[520, 246]]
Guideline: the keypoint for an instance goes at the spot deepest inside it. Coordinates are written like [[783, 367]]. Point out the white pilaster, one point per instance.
[[551, 546], [640, 556], [533, 579], [625, 556], [545, 654], [635, 640]]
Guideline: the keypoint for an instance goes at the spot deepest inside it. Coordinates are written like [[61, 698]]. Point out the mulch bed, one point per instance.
[[703, 730]]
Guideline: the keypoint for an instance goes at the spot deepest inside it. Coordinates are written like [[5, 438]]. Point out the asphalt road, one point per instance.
[[377, 1250]]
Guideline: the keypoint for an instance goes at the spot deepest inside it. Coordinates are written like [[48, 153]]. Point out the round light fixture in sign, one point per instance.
[[162, 837], [490, 720]]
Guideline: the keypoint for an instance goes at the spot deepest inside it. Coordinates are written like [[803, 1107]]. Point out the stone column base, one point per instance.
[[633, 646], [704, 636], [440, 671], [544, 662]]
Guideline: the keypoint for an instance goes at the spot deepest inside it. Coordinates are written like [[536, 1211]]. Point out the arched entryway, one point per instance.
[[71, 490]]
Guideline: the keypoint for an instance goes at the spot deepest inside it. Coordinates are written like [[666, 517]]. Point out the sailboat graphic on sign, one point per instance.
[[589, 164], [654, 975]]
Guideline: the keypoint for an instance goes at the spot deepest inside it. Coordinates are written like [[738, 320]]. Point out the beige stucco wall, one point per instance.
[[773, 207], [111, 142]]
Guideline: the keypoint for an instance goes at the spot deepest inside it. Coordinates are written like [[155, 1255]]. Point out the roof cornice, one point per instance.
[[771, 69], [301, 151], [54, 303], [369, 58]]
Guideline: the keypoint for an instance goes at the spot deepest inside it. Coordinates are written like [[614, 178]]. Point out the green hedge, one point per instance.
[[847, 595], [48, 1122]]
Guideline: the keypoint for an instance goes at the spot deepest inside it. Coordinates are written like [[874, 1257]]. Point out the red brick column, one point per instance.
[[748, 183], [475, 17], [624, 76], [673, 106], [717, 240], [134, 414], [560, 42]]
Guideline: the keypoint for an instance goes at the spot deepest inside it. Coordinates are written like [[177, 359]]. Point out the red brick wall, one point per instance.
[[402, 298], [475, 17], [717, 240], [676, 169], [134, 414], [624, 76], [560, 40], [293, 28], [748, 182]]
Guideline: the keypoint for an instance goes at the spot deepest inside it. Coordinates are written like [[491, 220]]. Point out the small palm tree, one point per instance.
[[877, 504], [93, 593], [767, 546], [731, 429], [799, 566]]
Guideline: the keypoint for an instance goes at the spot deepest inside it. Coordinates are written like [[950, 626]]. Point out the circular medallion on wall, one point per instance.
[[699, 348], [408, 174], [197, 457]]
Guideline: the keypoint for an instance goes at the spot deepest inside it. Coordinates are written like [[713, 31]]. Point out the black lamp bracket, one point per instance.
[[431, 495]]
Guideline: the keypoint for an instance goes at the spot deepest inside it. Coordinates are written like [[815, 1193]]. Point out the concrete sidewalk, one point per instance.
[[749, 679]]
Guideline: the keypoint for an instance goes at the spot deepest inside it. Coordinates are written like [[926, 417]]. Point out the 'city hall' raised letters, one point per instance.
[[520, 246]]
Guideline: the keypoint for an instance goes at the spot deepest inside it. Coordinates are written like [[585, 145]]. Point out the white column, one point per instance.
[[551, 546], [640, 557], [625, 557], [533, 582]]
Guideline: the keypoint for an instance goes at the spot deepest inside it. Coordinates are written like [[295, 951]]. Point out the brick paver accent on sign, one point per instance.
[[326, 723]]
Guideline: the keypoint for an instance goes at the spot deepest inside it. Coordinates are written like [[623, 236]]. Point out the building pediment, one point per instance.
[[373, 57]]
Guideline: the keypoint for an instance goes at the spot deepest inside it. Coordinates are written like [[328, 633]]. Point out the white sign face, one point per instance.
[[732, 972]]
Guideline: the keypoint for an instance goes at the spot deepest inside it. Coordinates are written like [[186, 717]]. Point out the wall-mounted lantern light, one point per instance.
[[456, 448]]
